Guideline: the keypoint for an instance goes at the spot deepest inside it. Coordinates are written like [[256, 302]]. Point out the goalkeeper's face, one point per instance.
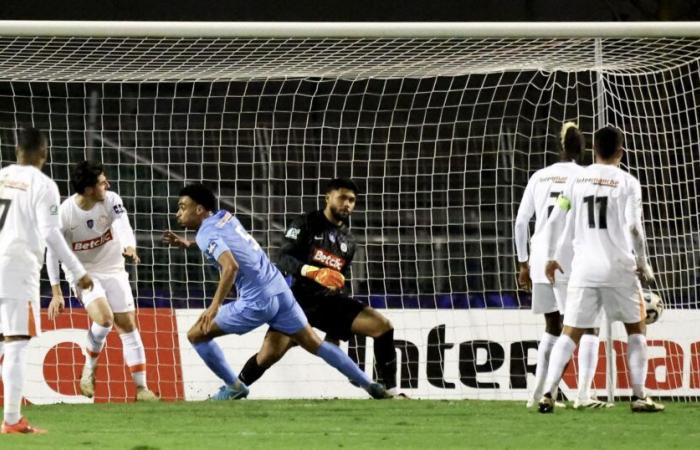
[[340, 203]]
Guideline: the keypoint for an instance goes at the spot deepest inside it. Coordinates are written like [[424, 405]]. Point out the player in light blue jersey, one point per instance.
[[263, 294]]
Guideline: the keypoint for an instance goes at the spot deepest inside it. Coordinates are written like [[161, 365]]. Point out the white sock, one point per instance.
[[587, 363], [13, 379], [135, 356], [561, 354], [96, 337], [543, 351], [637, 359]]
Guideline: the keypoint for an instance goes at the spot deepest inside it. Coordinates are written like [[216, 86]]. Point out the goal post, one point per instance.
[[441, 124]]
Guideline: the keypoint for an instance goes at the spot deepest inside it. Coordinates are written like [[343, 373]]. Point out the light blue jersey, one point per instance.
[[258, 279]]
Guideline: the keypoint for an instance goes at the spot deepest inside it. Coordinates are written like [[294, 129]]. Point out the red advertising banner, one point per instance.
[[55, 360]]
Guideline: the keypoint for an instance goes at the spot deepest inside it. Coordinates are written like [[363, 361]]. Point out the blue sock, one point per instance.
[[212, 355], [334, 356]]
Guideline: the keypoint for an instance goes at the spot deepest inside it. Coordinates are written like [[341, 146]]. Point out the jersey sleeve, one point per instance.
[[48, 222], [120, 221], [560, 225], [633, 220], [212, 245], [116, 205], [633, 205], [293, 251], [47, 208], [525, 212]]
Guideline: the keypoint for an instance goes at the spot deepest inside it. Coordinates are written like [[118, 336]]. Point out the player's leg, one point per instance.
[[544, 302], [121, 300], [232, 318], [19, 321], [274, 346], [629, 306], [134, 353], [582, 310], [369, 322], [290, 319], [2, 351], [588, 347], [102, 318]]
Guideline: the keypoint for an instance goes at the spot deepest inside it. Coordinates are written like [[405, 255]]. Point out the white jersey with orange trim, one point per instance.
[[539, 199], [28, 206], [605, 205], [96, 235]]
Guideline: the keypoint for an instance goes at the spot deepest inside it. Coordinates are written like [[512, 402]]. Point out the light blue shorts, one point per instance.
[[281, 312]]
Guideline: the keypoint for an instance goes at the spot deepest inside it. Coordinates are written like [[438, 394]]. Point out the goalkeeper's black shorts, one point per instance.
[[333, 314]]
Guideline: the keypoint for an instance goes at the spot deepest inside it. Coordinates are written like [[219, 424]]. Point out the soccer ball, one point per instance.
[[654, 306]]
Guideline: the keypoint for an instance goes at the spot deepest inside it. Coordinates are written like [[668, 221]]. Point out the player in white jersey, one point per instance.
[[604, 224], [94, 222], [28, 223], [539, 198]]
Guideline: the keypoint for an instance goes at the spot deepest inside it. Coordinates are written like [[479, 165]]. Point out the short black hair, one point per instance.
[[606, 141], [201, 195], [30, 139], [342, 183], [85, 174]]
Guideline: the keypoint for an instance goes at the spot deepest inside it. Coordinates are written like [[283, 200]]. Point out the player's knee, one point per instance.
[[194, 335], [106, 321], [386, 325]]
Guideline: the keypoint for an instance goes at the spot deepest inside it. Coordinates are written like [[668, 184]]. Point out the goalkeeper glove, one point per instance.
[[332, 279]]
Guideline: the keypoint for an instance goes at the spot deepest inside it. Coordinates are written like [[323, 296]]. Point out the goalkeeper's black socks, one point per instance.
[[251, 371], [385, 356]]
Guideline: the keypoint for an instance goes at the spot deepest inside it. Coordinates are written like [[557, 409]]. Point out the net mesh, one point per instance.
[[442, 136]]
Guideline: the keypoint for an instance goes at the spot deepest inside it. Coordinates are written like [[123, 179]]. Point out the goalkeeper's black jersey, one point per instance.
[[312, 239]]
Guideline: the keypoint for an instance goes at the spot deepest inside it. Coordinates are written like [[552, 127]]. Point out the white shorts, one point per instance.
[[114, 287], [20, 317], [547, 298], [583, 305]]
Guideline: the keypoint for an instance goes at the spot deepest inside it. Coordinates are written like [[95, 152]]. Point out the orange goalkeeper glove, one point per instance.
[[332, 279]]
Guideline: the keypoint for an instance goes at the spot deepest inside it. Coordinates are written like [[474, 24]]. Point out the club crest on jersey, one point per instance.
[[90, 223], [53, 210], [212, 247], [328, 259], [292, 233], [343, 247], [332, 237]]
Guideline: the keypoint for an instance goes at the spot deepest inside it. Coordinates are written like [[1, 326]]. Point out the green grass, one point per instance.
[[308, 424]]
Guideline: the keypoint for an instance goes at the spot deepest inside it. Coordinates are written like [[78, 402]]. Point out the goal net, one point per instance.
[[441, 129]]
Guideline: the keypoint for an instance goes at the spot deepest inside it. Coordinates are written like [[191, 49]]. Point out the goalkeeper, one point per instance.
[[317, 253]]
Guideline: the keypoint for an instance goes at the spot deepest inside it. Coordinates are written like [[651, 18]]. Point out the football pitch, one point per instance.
[[357, 424]]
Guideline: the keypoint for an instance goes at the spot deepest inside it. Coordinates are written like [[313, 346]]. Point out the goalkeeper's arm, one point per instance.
[[294, 250]]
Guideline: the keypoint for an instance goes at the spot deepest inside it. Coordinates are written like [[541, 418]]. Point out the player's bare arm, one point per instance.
[[130, 252], [57, 304], [524, 280], [174, 240], [551, 268]]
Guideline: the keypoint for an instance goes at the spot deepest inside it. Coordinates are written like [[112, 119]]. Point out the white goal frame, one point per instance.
[[424, 30]]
